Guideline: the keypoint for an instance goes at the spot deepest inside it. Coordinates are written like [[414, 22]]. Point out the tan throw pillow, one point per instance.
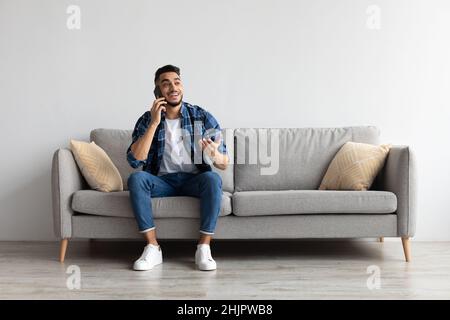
[[95, 165], [355, 166]]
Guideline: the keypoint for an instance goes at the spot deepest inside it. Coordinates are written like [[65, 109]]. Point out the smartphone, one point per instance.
[[158, 94]]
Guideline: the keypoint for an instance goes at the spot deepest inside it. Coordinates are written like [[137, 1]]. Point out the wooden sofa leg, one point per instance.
[[381, 239], [62, 249], [406, 248]]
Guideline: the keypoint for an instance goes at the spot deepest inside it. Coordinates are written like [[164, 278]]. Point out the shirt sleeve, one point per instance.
[[139, 130], [214, 131]]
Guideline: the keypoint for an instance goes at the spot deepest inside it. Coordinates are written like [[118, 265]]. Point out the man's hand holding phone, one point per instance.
[[141, 147], [157, 108]]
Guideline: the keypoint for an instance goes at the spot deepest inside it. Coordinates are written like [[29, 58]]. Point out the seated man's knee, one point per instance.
[[213, 178], [136, 178]]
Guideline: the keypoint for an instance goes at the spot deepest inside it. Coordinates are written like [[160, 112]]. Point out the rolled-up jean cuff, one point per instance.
[[204, 232], [146, 230]]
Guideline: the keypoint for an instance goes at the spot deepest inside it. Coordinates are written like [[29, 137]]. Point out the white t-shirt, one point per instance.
[[175, 158]]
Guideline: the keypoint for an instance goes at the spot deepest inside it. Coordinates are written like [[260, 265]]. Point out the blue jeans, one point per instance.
[[206, 185]]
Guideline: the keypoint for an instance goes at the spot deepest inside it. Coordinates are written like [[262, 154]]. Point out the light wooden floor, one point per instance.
[[246, 270]]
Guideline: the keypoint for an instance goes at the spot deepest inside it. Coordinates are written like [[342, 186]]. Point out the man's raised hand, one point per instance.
[[156, 109]]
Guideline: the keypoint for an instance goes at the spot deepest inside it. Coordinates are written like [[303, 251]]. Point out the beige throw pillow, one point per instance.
[[95, 165], [355, 166]]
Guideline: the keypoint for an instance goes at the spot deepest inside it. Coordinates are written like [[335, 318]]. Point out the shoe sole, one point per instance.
[[205, 269], [156, 264]]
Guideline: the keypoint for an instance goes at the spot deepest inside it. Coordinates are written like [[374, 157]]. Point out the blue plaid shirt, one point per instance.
[[196, 123]]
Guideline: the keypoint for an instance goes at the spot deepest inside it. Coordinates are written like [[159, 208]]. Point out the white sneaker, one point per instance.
[[203, 258], [151, 257]]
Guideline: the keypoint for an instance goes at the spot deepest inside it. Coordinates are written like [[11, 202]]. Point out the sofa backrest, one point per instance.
[[304, 155], [115, 142]]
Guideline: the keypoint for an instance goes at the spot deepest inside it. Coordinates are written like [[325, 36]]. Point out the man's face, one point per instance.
[[171, 88]]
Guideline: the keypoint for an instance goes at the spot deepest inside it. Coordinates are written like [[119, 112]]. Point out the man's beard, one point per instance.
[[172, 104]]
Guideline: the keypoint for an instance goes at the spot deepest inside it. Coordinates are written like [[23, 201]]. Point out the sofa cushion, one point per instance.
[[117, 204], [115, 142], [300, 157], [95, 165], [259, 203], [355, 166]]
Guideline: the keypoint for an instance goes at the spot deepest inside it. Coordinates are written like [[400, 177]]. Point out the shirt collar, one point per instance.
[[183, 110]]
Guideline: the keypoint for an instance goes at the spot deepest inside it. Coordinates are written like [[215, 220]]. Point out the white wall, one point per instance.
[[251, 63]]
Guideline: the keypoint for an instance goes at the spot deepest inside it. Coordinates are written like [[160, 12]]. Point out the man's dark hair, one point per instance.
[[167, 68]]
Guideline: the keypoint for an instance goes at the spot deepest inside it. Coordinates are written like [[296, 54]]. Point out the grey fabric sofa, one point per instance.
[[283, 204]]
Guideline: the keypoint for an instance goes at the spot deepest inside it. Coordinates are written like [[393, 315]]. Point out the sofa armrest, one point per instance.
[[399, 176], [66, 179]]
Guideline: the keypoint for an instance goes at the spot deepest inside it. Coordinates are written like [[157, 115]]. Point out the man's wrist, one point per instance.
[[153, 125]]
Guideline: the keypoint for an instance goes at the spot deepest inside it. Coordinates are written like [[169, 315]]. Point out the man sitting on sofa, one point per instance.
[[175, 163]]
